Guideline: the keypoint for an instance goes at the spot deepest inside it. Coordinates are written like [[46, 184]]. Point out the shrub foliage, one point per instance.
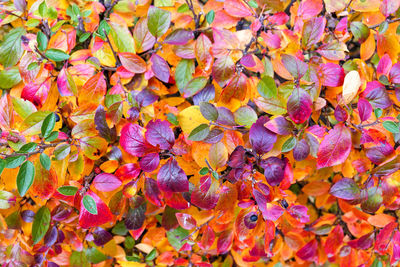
[[199, 133]]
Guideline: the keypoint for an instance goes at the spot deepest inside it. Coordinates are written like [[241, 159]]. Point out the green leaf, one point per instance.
[[129, 241], [378, 112], [267, 87], [289, 144], [56, 55], [33, 66], [32, 23], [158, 21], [183, 8], [199, 133], [14, 162], [67, 190], [9, 78], [152, 255], [398, 30], [89, 204], [93, 255], [245, 116], [210, 16], [253, 4], [184, 73], [53, 136], [209, 111], [43, 9], [25, 177], [2, 165], [45, 161], [175, 236], [172, 119], [384, 80], [48, 124], [360, 31], [41, 39], [120, 229], [383, 27], [41, 223], [391, 126], [122, 37], [78, 259], [30, 147], [84, 37], [62, 151], [204, 171], [11, 49]]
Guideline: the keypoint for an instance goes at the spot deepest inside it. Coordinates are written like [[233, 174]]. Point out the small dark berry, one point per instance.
[[253, 218]]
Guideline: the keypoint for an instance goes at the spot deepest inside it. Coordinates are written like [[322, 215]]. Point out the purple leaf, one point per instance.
[[301, 150], [346, 189], [159, 133], [261, 139], [160, 68], [171, 178], [102, 127], [51, 236], [179, 37], [299, 105], [274, 170], [377, 95], [149, 162], [145, 98], [333, 74], [101, 236], [340, 113], [280, 125]]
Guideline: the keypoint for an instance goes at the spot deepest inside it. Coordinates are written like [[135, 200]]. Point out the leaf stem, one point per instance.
[[112, 49]]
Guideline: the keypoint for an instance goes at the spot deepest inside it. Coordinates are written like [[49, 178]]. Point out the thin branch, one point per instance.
[[112, 49], [388, 21], [39, 149]]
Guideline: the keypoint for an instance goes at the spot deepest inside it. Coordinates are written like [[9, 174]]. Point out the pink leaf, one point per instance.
[[159, 133], [106, 182], [186, 221], [160, 68], [132, 140], [149, 162], [309, 251], [364, 109]]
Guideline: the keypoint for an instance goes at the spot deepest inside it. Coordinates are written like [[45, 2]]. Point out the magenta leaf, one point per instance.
[[335, 147], [333, 74], [87, 219], [159, 133], [309, 251], [364, 109], [160, 68], [299, 105], [261, 139], [377, 95], [346, 189], [279, 125], [132, 140], [312, 31], [299, 212], [340, 113], [171, 178], [106, 182]]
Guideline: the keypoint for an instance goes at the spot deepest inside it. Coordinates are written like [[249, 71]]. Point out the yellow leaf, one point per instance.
[[190, 118], [218, 155], [131, 264], [352, 82]]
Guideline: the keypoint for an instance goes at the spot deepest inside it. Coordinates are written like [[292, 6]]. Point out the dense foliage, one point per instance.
[[210, 133]]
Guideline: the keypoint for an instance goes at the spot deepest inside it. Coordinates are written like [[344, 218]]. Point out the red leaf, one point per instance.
[[333, 242], [176, 201], [384, 237], [152, 193], [335, 147], [309, 251], [132, 62], [171, 178], [186, 221], [87, 220], [207, 239], [299, 105], [128, 172], [36, 92], [224, 242], [106, 182], [205, 195]]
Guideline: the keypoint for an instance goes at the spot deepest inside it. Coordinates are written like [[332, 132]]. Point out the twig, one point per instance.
[[40, 149], [112, 49], [195, 16], [198, 228], [388, 21]]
